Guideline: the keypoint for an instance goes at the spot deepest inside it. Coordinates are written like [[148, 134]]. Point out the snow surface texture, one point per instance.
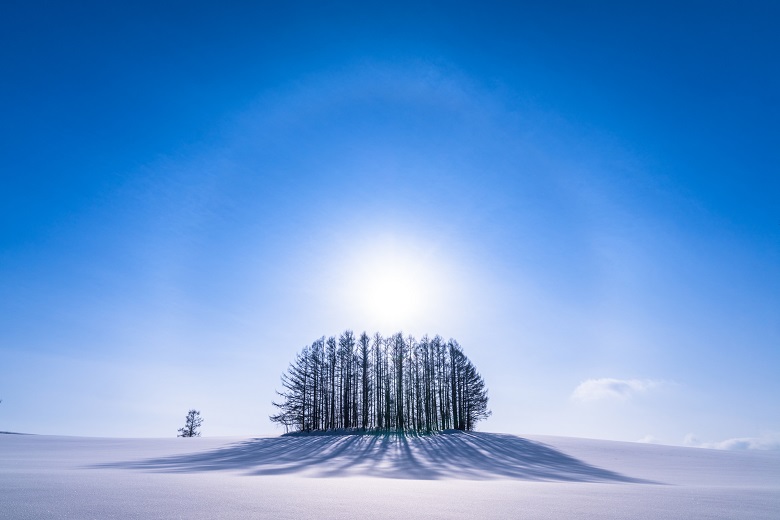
[[451, 475]]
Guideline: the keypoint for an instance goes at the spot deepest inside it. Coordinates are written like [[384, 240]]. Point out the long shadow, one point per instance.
[[448, 455]]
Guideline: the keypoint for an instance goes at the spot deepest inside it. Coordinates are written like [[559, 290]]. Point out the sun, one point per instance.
[[392, 288], [392, 285]]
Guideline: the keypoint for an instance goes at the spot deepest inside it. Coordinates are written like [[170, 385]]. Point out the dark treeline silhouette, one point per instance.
[[375, 383]]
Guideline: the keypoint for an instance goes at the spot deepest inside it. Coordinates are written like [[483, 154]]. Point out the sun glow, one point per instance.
[[392, 289], [394, 285]]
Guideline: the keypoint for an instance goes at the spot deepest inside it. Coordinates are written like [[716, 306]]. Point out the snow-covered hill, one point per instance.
[[451, 475]]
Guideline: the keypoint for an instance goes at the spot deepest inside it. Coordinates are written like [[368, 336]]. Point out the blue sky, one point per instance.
[[584, 196]]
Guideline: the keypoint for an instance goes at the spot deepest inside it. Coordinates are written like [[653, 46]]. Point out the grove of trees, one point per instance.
[[387, 384]]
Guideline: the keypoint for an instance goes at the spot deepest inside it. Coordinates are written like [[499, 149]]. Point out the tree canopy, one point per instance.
[[373, 383]]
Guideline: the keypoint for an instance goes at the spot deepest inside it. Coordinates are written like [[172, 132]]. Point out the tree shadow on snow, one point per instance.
[[448, 455]]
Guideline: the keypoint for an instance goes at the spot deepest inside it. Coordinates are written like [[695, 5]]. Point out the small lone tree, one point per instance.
[[191, 425]]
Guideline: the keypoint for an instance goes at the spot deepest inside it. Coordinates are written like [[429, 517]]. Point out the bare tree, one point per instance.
[[191, 425], [365, 376]]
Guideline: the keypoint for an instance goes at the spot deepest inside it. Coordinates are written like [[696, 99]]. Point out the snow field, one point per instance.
[[450, 476]]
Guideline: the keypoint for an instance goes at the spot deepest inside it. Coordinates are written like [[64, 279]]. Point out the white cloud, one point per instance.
[[769, 441], [649, 439], [608, 388]]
